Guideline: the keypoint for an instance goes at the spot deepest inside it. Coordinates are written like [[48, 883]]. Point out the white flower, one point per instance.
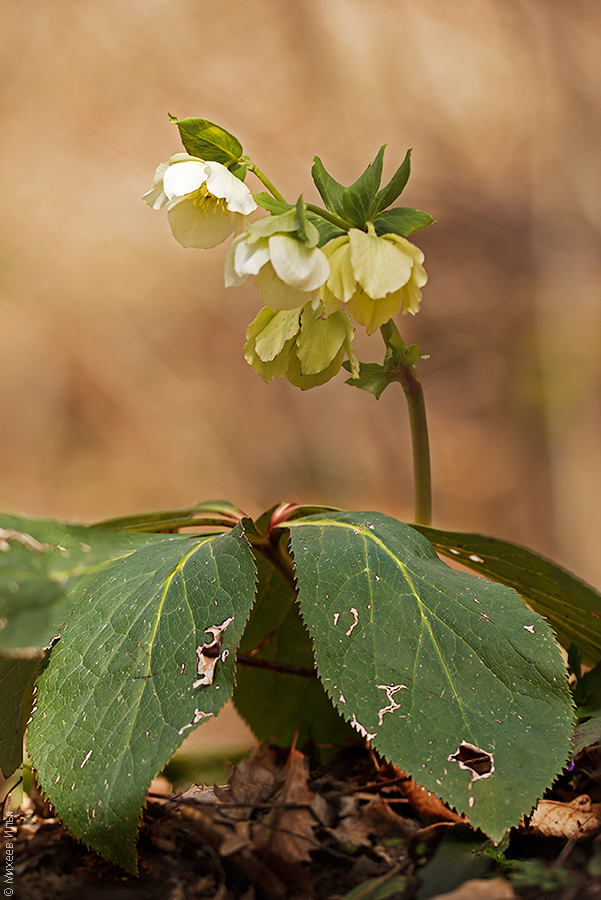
[[287, 272], [205, 202], [374, 276]]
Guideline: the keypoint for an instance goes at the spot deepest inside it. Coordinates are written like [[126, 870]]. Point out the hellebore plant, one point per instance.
[[337, 627]]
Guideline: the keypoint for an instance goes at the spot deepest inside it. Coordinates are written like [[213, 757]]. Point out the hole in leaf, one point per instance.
[[207, 654], [477, 761]]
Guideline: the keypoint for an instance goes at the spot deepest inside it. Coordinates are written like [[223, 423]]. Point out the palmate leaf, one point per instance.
[[128, 679], [571, 607], [282, 707], [452, 677]]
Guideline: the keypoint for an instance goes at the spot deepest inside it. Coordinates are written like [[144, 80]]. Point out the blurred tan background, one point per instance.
[[123, 384]]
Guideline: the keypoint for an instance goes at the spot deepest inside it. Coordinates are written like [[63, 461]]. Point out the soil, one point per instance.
[[284, 829]]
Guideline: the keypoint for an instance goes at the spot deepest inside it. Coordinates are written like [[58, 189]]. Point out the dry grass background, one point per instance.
[[123, 384]]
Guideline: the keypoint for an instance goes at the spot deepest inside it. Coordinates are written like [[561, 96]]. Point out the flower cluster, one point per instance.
[[315, 270]]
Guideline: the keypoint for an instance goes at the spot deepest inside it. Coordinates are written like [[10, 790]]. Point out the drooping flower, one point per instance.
[[300, 345], [288, 270], [374, 276], [205, 202]]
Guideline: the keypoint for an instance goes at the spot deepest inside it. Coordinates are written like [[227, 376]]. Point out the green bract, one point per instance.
[[374, 276], [362, 204], [205, 201], [300, 345]]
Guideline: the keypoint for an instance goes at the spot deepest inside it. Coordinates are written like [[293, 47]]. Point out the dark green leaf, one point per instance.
[[571, 607], [373, 378], [327, 231], [401, 220], [275, 704], [210, 512], [41, 563], [434, 665], [383, 888], [209, 141], [587, 692], [18, 669], [458, 858], [126, 681], [587, 734], [330, 190], [395, 186], [358, 200]]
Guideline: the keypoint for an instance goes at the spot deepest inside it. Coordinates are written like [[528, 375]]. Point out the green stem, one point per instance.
[[407, 377], [328, 216], [262, 177], [323, 213]]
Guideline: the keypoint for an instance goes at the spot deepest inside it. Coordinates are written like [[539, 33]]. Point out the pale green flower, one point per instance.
[[205, 202], [373, 276], [288, 273], [300, 345]]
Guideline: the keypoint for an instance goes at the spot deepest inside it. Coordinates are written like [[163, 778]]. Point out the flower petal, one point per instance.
[[380, 266], [279, 365], [342, 282], [277, 295], [374, 313], [281, 328], [249, 259], [156, 196], [296, 377], [221, 183], [412, 297], [194, 229], [231, 277], [184, 177], [330, 303], [301, 267], [319, 340]]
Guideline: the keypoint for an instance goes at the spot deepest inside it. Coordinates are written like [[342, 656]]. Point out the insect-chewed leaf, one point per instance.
[[127, 680], [452, 677]]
